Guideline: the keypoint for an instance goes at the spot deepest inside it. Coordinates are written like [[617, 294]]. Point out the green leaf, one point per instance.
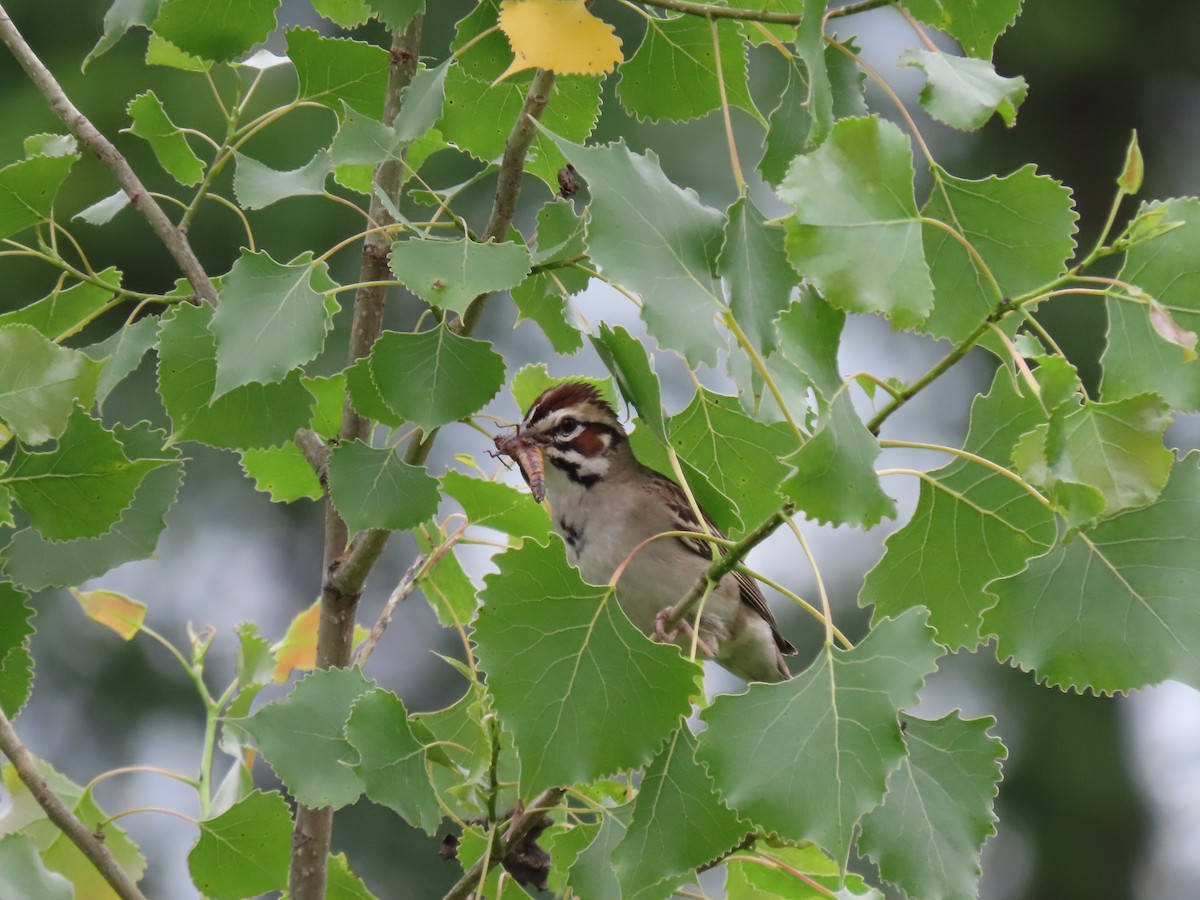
[[832, 732], [270, 320], [606, 696], [333, 71], [800, 873], [497, 506], [27, 190], [974, 25], [25, 875], [341, 883], [1113, 609], [435, 377], [738, 456], [450, 274], [365, 396], [756, 271], [971, 526], [16, 663], [965, 92], [283, 473], [478, 116], [927, 835], [593, 875], [856, 232], [835, 481], [36, 562], [810, 48], [120, 17], [220, 30], [79, 489], [1115, 448], [346, 13], [255, 659], [396, 14], [446, 587], [124, 350], [160, 52], [673, 73], [375, 488], [247, 417], [302, 737], [170, 146], [810, 332], [542, 296], [41, 383], [1021, 225], [627, 359], [533, 380], [657, 239], [245, 850], [1136, 358], [258, 186], [330, 392], [392, 761], [64, 311], [678, 823], [58, 852], [788, 124]]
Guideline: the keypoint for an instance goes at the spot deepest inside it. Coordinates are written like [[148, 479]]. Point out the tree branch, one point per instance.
[[91, 845], [519, 826], [89, 136], [345, 575], [725, 564]]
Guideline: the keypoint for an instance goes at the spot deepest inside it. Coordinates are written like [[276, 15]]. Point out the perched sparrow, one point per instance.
[[573, 451]]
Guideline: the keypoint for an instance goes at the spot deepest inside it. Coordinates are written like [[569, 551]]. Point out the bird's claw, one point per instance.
[[668, 637]]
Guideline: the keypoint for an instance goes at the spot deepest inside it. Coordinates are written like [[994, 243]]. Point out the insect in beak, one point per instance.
[[528, 456]]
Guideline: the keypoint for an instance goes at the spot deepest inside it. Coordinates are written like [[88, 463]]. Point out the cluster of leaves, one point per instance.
[[1063, 529]]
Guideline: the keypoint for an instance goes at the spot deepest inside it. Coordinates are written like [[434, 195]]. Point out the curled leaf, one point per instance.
[[1170, 330], [113, 610]]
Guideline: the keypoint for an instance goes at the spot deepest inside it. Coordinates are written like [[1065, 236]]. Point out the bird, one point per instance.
[[607, 506]]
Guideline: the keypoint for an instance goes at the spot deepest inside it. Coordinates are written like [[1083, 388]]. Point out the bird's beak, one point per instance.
[[528, 456]]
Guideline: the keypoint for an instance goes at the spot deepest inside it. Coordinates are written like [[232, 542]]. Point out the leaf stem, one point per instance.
[[738, 179]]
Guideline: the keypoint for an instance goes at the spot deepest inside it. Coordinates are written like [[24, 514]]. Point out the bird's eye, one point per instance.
[[567, 425]]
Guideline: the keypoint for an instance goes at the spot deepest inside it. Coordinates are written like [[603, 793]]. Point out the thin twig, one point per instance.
[[519, 826], [408, 584], [725, 564], [87, 134], [91, 845], [314, 450]]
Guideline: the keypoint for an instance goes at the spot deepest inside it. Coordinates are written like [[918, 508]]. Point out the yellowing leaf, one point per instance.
[[298, 649], [560, 35], [115, 611]]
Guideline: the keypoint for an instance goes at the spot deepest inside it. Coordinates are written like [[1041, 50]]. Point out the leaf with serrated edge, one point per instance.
[[793, 873], [333, 71], [342, 884], [302, 737], [560, 35], [435, 377], [971, 526], [35, 562], [674, 72], [257, 186], [41, 383], [391, 761], [758, 277], [927, 835], [79, 489], [856, 232], [806, 758], [170, 146], [26, 875], [214, 30], [1021, 225], [973, 24], [124, 351], [248, 417], [497, 506], [375, 488], [283, 473], [835, 481], [965, 92], [66, 310], [606, 695], [16, 663], [450, 274], [270, 320], [627, 359], [1114, 609], [1136, 358], [532, 380], [658, 239], [244, 851], [678, 822], [28, 188]]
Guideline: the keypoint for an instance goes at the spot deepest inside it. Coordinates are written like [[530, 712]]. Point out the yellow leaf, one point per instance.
[[298, 649], [560, 35], [115, 611]]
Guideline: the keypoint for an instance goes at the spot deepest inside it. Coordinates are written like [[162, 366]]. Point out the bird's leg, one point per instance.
[[668, 637]]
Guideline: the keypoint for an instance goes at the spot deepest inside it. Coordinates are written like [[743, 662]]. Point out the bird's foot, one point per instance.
[[668, 637]]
